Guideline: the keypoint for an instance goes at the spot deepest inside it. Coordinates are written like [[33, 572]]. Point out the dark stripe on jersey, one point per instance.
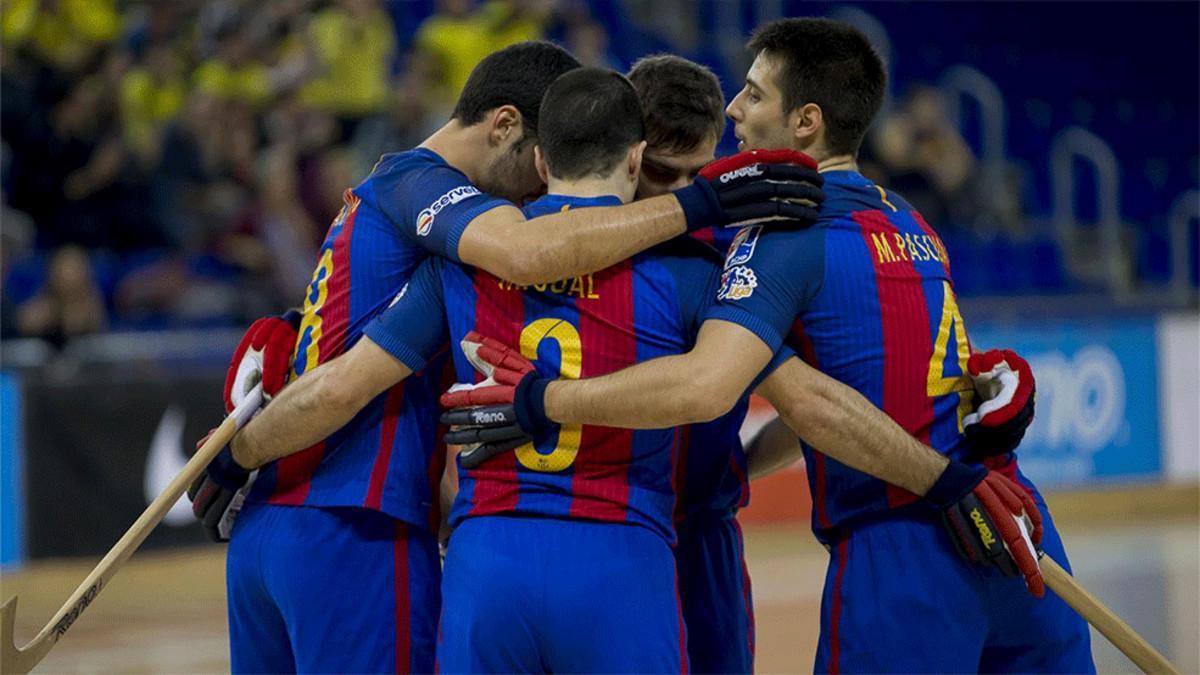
[[499, 314], [437, 464], [743, 483], [600, 481], [387, 438], [294, 472], [290, 490], [804, 345], [683, 444], [907, 342], [335, 315]]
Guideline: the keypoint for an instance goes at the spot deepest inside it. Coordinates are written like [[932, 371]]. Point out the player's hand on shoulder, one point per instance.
[[502, 412], [991, 520], [218, 493], [755, 186], [1006, 393], [264, 355]]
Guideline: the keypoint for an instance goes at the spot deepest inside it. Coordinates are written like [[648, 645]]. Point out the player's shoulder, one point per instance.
[[849, 192], [410, 167], [688, 260], [685, 248]]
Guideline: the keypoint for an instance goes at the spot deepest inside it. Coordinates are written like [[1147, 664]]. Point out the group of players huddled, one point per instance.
[[606, 336]]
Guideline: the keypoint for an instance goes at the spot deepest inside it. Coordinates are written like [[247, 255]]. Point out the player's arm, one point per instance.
[[318, 404], [567, 244], [841, 423], [749, 186], [732, 346], [310, 409], [393, 346], [668, 391]]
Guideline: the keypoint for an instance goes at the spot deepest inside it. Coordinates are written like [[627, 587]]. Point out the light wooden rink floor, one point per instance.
[[165, 612]]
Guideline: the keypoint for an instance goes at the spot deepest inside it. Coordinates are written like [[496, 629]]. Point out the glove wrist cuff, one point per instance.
[[530, 403], [700, 205], [226, 472], [957, 481]]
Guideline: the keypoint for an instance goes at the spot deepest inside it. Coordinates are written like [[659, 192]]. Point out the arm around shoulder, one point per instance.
[[566, 244], [318, 404], [698, 386]]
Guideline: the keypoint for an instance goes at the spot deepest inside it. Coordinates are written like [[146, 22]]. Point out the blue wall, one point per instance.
[[1097, 398], [12, 489]]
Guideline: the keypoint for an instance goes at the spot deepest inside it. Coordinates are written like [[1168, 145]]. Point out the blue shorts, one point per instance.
[[898, 598], [331, 590], [526, 595], [714, 587]]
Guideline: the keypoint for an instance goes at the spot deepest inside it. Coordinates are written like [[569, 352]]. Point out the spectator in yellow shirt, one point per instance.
[[456, 38], [65, 33], [151, 94], [353, 42]]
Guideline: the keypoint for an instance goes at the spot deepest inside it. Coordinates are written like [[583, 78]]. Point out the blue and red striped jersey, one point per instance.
[[714, 479], [389, 457], [865, 296], [639, 309]]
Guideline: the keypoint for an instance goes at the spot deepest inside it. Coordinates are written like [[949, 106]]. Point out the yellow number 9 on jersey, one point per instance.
[[570, 366]]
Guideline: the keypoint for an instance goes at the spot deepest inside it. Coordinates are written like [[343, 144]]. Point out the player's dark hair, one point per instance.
[[831, 64], [517, 75], [682, 101], [589, 119]]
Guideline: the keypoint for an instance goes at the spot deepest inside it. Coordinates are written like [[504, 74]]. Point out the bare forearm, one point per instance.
[[299, 417], [570, 243], [318, 404], [694, 387], [843, 425], [650, 395]]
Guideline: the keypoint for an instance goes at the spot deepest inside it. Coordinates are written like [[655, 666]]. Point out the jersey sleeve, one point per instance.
[[768, 279], [413, 328], [696, 270], [781, 355], [432, 205]]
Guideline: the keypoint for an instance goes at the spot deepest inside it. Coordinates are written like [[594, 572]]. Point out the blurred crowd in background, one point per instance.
[[177, 162], [174, 163]]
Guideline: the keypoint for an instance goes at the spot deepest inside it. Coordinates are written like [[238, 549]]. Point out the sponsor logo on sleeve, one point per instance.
[[737, 283], [427, 215], [741, 249]]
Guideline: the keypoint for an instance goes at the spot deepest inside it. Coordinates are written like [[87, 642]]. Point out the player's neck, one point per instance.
[[460, 147], [837, 163], [616, 185]]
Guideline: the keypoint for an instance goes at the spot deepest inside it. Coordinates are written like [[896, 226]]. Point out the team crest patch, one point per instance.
[[741, 249], [737, 283], [428, 214]]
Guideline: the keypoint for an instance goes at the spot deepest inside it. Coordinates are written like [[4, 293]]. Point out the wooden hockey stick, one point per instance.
[[23, 659], [1110, 625]]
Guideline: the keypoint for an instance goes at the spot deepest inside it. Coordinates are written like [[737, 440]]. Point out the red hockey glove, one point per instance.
[[1005, 387], [991, 520], [753, 187], [264, 354], [504, 411]]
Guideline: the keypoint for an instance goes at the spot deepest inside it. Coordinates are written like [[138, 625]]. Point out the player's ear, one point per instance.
[[635, 160], [505, 125], [807, 123], [539, 162]]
